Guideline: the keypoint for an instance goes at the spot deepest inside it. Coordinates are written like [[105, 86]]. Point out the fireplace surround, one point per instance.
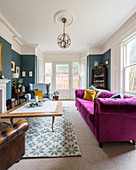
[[3, 95]]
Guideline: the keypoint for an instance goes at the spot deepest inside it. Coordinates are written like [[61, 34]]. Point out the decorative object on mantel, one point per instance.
[[1, 57], [23, 88], [14, 76], [19, 84], [2, 76], [13, 64], [65, 17]]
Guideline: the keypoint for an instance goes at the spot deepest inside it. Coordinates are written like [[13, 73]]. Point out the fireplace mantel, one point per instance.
[[3, 97], [4, 81]]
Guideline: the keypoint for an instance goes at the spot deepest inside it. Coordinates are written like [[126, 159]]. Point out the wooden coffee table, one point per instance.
[[11, 116]]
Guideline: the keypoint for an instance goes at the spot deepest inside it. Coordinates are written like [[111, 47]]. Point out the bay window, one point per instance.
[[130, 66]]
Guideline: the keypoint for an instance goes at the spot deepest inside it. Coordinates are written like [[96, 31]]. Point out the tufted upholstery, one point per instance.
[[12, 143], [107, 94], [109, 119], [116, 106]]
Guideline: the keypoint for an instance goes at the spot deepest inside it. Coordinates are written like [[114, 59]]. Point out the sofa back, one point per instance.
[[107, 94], [103, 94], [79, 93], [41, 86]]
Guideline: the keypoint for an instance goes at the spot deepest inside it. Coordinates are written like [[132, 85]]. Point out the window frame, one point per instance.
[[77, 75], [51, 72], [125, 63]]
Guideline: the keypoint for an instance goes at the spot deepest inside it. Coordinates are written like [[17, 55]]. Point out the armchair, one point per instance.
[[12, 143], [46, 88]]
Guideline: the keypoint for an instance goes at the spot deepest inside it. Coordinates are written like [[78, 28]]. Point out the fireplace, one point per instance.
[[3, 95], [0, 101]]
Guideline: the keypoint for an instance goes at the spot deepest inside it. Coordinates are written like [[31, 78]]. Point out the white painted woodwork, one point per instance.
[[3, 88], [83, 73], [94, 21], [41, 71]]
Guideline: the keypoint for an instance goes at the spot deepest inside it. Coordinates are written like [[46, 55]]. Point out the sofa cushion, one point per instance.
[[39, 93], [118, 95], [89, 94], [87, 107], [94, 88], [106, 94]]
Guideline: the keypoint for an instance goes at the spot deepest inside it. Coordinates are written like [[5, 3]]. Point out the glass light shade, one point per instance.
[[63, 40]]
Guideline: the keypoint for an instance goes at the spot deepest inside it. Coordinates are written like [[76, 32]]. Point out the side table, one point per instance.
[[55, 98], [18, 95], [11, 103]]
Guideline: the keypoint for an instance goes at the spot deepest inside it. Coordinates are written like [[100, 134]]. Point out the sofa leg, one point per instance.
[[134, 142], [100, 144], [18, 161]]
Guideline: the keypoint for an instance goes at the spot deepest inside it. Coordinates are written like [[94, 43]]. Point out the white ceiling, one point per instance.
[[94, 20]]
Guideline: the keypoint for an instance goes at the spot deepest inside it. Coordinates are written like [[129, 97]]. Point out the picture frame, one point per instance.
[[30, 74], [100, 66], [106, 62], [1, 57], [96, 63], [13, 64], [18, 70], [23, 73]]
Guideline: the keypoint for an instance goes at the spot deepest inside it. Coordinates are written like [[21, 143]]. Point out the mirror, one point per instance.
[[1, 55]]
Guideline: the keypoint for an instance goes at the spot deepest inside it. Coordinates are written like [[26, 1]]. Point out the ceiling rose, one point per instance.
[[63, 14]]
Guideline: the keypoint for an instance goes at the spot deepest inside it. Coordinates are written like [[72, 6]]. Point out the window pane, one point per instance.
[[131, 52], [48, 72], [130, 79], [62, 76], [48, 69], [76, 68], [47, 79], [75, 81], [75, 75]]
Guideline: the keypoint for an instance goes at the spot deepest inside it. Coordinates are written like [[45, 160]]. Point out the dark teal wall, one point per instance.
[[29, 63], [90, 66], [107, 56], [17, 58], [7, 54], [25, 62], [90, 62]]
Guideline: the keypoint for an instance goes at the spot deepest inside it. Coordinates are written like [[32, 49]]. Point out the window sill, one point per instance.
[[130, 93]]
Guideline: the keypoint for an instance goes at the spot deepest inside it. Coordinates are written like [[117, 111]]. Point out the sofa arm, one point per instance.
[[50, 96], [12, 132], [115, 106], [79, 93], [28, 96]]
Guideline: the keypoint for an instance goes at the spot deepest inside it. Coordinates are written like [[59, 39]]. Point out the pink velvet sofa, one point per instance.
[[109, 119]]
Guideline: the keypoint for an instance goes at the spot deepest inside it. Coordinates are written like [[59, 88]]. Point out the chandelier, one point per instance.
[[63, 39]]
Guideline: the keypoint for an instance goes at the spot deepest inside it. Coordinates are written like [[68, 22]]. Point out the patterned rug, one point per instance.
[[41, 142]]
